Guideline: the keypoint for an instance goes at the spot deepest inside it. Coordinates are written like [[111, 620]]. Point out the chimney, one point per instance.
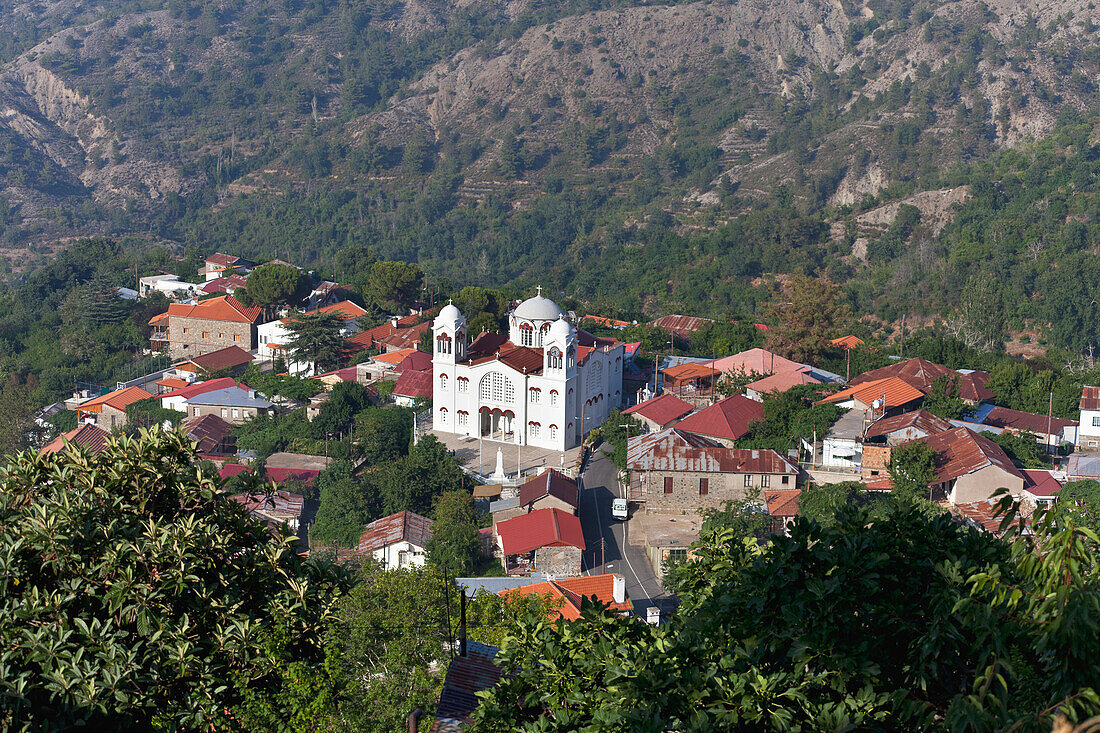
[[618, 588], [393, 321]]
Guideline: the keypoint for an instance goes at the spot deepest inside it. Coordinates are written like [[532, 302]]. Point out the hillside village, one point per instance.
[[590, 465]]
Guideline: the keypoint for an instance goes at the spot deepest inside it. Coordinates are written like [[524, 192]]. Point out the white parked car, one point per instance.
[[618, 509]]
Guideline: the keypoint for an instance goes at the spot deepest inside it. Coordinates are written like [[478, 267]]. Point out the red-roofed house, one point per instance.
[[87, 436], [1041, 486], [232, 359], [412, 386], [660, 412], [726, 420], [893, 392], [209, 325], [682, 326], [782, 507], [109, 411], [1049, 431], [218, 263], [971, 467], [921, 373], [567, 594], [467, 675], [397, 541], [276, 508], [177, 398], [779, 382], [690, 379], [676, 472], [548, 541]]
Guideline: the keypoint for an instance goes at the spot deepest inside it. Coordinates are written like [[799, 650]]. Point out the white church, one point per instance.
[[545, 384]]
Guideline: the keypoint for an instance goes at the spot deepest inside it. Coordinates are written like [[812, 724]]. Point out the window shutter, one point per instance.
[[704, 486], [668, 484]]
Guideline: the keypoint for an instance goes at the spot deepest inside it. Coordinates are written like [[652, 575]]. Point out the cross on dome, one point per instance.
[[538, 290]]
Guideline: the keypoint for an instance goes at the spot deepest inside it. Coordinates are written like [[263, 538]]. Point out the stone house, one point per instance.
[[229, 360], [882, 435], [676, 472], [109, 411], [548, 541], [188, 331], [232, 404], [549, 490], [971, 467]]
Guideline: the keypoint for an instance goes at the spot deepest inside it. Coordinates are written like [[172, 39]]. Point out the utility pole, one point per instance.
[[1050, 409], [602, 552]]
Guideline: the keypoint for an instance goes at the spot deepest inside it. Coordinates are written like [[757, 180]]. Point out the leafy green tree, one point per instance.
[[315, 339], [134, 596], [721, 338], [912, 470], [1082, 499], [393, 286], [790, 417], [822, 503], [346, 401], [943, 399], [414, 482], [275, 284], [455, 544], [1021, 448], [347, 506], [807, 315], [383, 434], [819, 631]]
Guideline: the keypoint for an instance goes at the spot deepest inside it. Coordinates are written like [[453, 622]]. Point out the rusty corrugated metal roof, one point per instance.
[[1090, 398], [960, 451], [673, 449]]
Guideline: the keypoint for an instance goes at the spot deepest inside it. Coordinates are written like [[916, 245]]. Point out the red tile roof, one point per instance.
[[1041, 483], [848, 342], [279, 475], [407, 337], [972, 387], [172, 383], [782, 381], [118, 399], [1090, 398], [345, 309], [609, 322], [222, 260], [414, 384], [672, 449], [681, 325], [550, 483], [225, 284], [227, 358], [466, 676], [417, 361], [209, 431], [90, 437], [394, 357], [404, 526], [921, 420], [521, 358], [727, 418], [689, 370], [541, 528], [662, 409], [486, 344], [783, 502], [1002, 417], [894, 391], [223, 308], [919, 373], [569, 592], [203, 387], [960, 451], [760, 361]]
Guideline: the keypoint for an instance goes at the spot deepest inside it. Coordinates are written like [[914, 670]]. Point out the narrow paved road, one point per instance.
[[616, 555]]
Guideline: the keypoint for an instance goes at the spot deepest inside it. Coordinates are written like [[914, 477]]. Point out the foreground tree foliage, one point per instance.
[[134, 597], [901, 623]]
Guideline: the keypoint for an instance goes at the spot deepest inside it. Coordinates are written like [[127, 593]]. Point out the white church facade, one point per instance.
[[545, 384]]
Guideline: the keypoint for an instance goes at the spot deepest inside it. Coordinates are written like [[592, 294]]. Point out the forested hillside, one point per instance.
[[641, 158]]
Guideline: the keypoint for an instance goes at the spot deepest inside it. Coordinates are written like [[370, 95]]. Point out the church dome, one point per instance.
[[538, 308], [560, 331], [449, 315]]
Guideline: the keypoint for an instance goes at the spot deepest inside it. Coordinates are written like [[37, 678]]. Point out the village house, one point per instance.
[[921, 374], [412, 387], [1088, 430], [225, 285], [91, 438], [682, 326], [566, 594], [970, 467], [725, 421], [273, 337], [692, 381], [782, 508], [275, 508], [1049, 431], [471, 671], [883, 434], [167, 284], [109, 410], [218, 264], [549, 541], [230, 360], [396, 334], [397, 541], [213, 435], [176, 399], [779, 383], [660, 412], [674, 471], [760, 363], [232, 404], [187, 331], [550, 489]]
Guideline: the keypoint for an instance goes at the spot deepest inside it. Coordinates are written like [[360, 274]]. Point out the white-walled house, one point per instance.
[[397, 541], [546, 384], [1088, 427]]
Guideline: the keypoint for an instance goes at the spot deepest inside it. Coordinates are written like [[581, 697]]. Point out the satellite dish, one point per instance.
[[877, 404]]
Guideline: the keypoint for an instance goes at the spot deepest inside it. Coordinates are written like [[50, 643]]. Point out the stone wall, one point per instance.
[[561, 562], [875, 458], [191, 337], [723, 487]]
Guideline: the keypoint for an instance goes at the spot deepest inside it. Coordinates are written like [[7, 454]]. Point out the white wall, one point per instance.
[[390, 555], [841, 453], [1088, 433]]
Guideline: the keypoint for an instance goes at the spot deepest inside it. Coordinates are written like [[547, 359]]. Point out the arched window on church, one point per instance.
[[553, 359], [463, 384], [495, 387], [443, 344], [443, 414], [526, 334], [542, 333], [553, 397], [443, 381]]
